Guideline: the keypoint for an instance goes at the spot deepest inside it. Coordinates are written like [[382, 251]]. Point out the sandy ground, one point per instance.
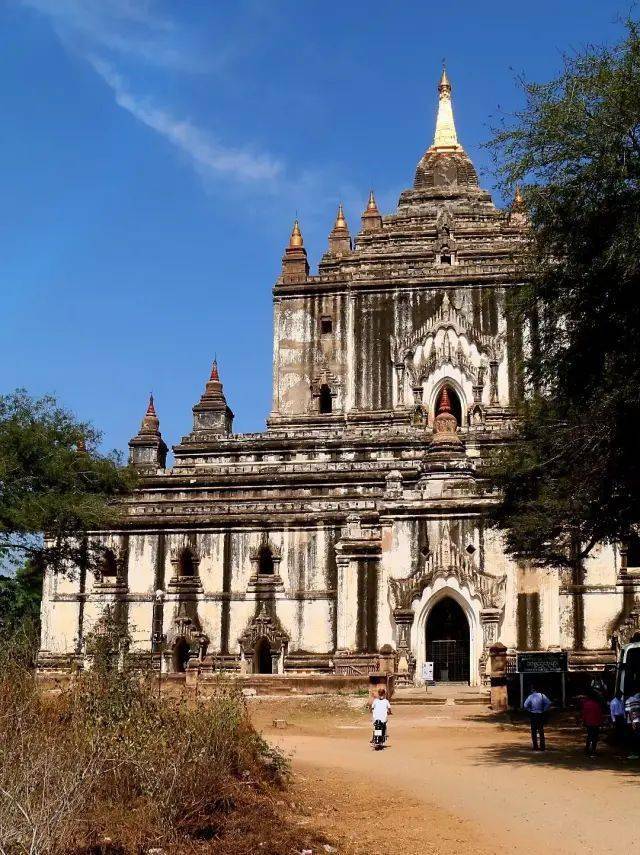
[[453, 780]]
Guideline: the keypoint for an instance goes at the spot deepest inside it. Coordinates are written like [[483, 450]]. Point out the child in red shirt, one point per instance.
[[592, 717]]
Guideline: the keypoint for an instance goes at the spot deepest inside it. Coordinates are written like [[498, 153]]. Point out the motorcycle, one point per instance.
[[379, 735]]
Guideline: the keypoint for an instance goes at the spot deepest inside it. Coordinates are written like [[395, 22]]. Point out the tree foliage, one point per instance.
[[55, 487], [572, 479]]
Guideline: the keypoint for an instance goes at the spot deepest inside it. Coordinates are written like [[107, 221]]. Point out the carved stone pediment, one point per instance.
[[447, 317], [263, 625], [448, 560]]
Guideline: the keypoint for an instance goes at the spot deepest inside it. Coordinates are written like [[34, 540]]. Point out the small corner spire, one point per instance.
[[371, 219], [296, 236], [518, 215], [339, 239], [147, 450], [341, 223]]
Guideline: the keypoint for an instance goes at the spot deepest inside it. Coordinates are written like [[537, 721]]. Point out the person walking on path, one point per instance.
[[616, 708], [536, 705], [592, 718]]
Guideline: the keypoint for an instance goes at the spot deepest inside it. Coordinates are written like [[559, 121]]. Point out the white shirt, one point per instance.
[[380, 709]]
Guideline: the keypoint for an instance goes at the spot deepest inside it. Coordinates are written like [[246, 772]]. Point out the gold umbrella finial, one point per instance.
[[296, 236], [341, 223]]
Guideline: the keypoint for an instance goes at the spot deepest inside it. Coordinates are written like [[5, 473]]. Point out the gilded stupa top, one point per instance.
[[445, 165], [445, 136]]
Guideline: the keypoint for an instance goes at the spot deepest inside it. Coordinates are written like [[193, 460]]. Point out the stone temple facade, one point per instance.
[[358, 519]]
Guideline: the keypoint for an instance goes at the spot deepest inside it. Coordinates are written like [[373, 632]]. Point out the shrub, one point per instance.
[[106, 765]]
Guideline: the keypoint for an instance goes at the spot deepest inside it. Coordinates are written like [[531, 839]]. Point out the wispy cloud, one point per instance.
[[108, 33], [206, 153], [132, 29]]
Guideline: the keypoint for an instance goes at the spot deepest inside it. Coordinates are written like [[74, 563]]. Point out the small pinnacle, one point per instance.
[[444, 405], [341, 223], [296, 236]]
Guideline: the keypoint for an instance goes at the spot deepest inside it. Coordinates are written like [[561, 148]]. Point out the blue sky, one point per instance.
[[155, 153]]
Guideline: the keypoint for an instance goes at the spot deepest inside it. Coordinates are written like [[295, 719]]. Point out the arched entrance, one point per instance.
[[447, 641], [263, 663]]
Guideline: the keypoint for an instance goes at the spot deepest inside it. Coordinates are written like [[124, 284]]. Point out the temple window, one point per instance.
[[326, 326], [109, 565], [633, 550], [265, 561], [326, 400], [186, 564], [445, 255]]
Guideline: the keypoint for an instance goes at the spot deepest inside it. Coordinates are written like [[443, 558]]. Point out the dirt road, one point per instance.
[[453, 780]]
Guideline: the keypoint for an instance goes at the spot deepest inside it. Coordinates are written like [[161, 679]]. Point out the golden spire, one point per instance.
[[445, 136], [341, 223], [296, 236], [518, 198], [371, 205]]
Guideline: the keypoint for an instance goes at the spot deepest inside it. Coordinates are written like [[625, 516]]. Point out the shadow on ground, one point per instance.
[[561, 754]]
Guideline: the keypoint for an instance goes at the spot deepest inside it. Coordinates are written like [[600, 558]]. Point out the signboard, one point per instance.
[[427, 672], [541, 663]]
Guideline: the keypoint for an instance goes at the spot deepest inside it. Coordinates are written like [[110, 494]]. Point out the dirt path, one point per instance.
[[451, 780]]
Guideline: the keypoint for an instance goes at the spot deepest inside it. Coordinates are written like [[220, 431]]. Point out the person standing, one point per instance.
[[616, 708], [592, 717], [537, 705]]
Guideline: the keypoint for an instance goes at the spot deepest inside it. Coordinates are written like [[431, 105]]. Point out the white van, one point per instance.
[[628, 670]]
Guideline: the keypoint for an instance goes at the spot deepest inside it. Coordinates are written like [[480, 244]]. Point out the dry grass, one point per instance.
[[106, 767]]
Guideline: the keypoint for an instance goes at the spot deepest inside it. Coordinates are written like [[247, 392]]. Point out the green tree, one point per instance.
[[55, 488], [20, 596], [572, 479]]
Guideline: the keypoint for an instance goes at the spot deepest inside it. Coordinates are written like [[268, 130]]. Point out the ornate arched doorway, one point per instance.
[[447, 639]]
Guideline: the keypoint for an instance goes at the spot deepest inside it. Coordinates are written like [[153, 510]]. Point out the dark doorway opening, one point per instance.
[[265, 561], [447, 636], [263, 660], [326, 400], [180, 654]]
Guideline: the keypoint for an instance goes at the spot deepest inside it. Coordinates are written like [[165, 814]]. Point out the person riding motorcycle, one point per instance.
[[380, 711]]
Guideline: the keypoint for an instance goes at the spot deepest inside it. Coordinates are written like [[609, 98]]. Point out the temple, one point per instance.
[[357, 520]]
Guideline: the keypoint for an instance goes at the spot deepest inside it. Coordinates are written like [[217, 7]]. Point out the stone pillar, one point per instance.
[[493, 381], [347, 605], [400, 381], [489, 620], [498, 657], [406, 660]]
